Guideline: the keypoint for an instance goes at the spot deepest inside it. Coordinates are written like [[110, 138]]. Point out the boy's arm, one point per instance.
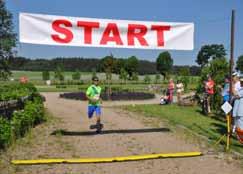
[[88, 94]]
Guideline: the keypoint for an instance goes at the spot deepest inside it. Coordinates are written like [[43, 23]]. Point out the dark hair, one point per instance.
[[227, 77], [95, 78]]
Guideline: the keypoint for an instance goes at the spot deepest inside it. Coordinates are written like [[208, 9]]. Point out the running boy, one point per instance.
[[93, 95]]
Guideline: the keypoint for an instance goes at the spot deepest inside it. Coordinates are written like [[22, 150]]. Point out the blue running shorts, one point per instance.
[[92, 109]]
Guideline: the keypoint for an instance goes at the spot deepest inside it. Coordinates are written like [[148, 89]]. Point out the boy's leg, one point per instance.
[[91, 110], [98, 114], [98, 119]]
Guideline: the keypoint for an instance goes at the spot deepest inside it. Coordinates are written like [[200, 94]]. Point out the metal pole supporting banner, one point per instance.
[[231, 80]]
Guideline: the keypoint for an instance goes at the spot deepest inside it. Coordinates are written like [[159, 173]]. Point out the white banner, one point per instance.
[[91, 32]]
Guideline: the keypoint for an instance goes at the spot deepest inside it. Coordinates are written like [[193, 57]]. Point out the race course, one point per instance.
[[67, 135]]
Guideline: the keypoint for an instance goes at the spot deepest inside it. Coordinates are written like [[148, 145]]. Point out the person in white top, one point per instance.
[[235, 92], [179, 90], [236, 83], [238, 113]]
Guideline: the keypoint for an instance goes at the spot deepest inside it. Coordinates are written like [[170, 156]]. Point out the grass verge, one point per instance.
[[190, 117]]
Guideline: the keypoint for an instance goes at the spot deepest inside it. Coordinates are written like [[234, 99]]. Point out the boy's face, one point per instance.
[[96, 82]]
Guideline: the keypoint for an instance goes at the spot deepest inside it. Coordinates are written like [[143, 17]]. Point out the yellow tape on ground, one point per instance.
[[103, 160]]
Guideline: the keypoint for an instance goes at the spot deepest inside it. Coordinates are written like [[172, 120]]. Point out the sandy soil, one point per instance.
[[124, 134]]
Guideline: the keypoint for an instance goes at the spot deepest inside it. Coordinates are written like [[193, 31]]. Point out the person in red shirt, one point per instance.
[[209, 88]]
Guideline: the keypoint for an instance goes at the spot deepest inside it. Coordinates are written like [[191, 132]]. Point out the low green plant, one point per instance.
[[5, 132], [15, 91], [45, 75], [21, 121]]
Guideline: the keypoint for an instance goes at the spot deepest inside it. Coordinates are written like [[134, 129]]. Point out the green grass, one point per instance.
[[191, 118]]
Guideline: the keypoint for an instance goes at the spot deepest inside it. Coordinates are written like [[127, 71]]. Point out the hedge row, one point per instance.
[[16, 90], [22, 120]]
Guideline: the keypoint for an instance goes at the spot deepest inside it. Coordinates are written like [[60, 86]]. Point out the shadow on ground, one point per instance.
[[123, 131]]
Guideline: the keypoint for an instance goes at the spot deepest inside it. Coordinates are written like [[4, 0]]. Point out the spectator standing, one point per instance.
[[209, 88], [171, 88], [179, 90]]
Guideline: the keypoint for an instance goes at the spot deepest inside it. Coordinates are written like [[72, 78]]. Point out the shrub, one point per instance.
[[32, 115], [15, 91], [61, 86], [21, 120], [45, 75], [76, 75], [5, 132], [147, 79], [218, 69]]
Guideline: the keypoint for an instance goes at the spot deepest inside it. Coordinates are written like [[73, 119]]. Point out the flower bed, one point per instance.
[[114, 96]]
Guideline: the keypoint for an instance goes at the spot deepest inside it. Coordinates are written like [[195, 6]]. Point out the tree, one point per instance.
[[7, 41], [131, 65], [45, 75], [123, 75], [218, 69], [156, 78], [76, 75], [135, 76], [164, 63], [59, 74], [107, 63], [147, 79], [239, 63], [94, 72], [210, 52], [118, 65], [184, 71]]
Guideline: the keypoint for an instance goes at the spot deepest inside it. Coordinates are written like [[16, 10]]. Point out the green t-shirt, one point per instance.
[[94, 93]]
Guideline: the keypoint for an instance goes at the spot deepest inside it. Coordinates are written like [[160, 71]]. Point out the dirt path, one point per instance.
[[124, 134]]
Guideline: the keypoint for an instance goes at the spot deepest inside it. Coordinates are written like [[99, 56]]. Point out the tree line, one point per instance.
[[109, 64], [90, 64]]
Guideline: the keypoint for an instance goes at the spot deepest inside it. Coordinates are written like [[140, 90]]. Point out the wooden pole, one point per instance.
[[228, 117]]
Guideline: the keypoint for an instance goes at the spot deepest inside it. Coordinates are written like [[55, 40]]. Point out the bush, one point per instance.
[[61, 86], [5, 132], [147, 79], [21, 121], [76, 75], [218, 69], [185, 80], [15, 91], [68, 82], [45, 75]]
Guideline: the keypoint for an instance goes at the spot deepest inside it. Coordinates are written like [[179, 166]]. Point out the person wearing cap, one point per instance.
[[93, 95], [238, 111]]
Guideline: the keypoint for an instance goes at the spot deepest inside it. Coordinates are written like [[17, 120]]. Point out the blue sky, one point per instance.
[[211, 19]]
